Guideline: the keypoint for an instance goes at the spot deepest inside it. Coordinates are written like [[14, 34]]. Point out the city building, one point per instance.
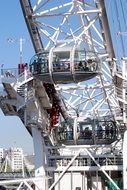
[[16, 158], [13, 159]]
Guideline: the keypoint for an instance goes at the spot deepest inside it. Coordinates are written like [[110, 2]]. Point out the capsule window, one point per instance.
[[85, 61], [61, 61]]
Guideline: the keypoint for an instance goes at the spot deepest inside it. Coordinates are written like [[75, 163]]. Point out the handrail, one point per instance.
[[86, 161]]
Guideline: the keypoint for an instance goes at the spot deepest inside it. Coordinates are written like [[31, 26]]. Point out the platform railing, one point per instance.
[[120, 94], [16, 74], [13, 175], [24, 76], [9, 73], [104, 160]]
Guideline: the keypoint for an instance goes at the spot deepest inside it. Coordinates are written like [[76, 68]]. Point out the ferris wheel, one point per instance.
[[73, 90], [73, 33]]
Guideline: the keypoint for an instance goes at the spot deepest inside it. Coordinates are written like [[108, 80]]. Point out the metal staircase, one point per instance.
[[21, 90]]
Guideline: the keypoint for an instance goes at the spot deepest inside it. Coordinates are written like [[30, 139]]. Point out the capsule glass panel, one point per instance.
[[61, 61], [85, 61], [39, 63]]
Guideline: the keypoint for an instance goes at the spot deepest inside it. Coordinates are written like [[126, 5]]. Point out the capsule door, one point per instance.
[[61, 72]]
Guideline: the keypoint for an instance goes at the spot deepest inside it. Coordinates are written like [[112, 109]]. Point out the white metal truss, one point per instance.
[[79, 23]]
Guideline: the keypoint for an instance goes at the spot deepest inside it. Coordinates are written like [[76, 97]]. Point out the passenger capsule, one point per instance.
[[87, 132], [64, 65]]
